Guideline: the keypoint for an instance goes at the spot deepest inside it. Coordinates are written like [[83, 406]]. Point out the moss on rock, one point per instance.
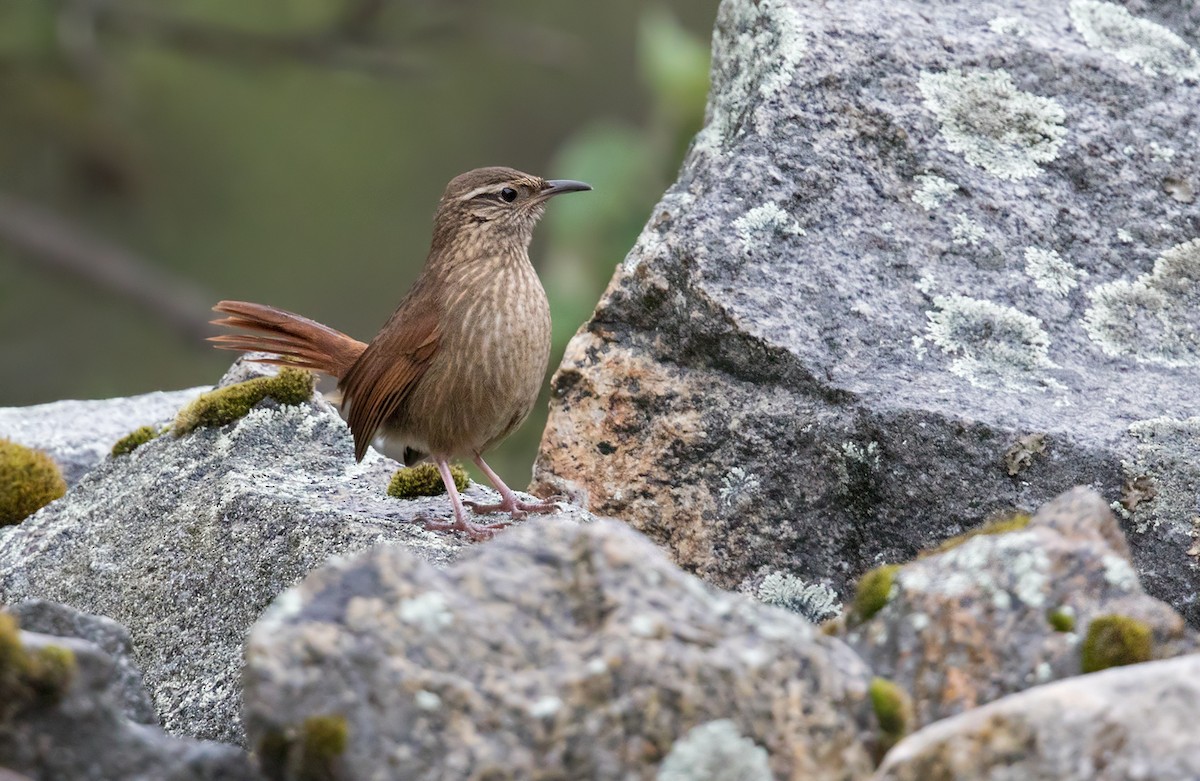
[[38, 677], [51, 670], [225, 405], [424, 480], [893, 710], [1113, 641], [873, 592], [29, 480], [324, 737], [307, 753], [322, 740], [133, 440], [1062, 619]]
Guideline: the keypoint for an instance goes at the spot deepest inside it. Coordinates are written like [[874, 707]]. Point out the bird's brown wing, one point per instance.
[[383, 376]]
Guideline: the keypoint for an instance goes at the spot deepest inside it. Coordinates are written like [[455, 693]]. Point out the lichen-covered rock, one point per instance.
[[926, 261], [78, 435], [555, 651], [52, 618], [1129, 723], [75, 729], [186, 539], [1000, 613]]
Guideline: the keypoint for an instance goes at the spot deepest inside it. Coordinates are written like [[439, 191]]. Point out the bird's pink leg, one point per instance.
[[509, 503], [460, 523]]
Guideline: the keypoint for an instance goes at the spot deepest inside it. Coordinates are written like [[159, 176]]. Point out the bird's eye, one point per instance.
[[508, 195]]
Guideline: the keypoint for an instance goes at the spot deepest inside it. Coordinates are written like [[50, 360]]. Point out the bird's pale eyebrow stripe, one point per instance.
[[487, 188]]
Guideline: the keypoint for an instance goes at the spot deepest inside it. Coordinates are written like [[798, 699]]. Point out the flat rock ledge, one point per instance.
[[187, 539]]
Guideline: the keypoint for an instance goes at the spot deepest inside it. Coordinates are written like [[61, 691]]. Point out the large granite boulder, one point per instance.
[[1134, 722], [925, 261], [1032, 601], [554, 651], [187, 539], [62, 719], [78, 435]]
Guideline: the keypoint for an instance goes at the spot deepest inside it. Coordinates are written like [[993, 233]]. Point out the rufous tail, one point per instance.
[[297, 340]]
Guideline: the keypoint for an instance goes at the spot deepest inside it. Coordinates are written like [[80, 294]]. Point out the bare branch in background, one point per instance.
[[358, 18], [227, 43], [352, 40], [53, 242]]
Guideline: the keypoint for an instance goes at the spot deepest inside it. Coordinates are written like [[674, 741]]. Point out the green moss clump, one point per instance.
[[324, 737], [225, 405], [893, 709], [29, 480], [36, 677], [272, 753], [11, 652], [1001, 523], [1115, 640], [322, 740], [873, 591], [309, 753], [133, 440], [424, 480], [51, 670], [1062, 619]]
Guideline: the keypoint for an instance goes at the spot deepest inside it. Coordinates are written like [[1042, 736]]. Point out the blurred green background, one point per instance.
[[157, 157]]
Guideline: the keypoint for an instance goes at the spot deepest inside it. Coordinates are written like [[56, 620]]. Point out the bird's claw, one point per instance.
[[476, 531], [516, 509]]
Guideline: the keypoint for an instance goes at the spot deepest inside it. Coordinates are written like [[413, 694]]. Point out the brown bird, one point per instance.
[[458, 366]]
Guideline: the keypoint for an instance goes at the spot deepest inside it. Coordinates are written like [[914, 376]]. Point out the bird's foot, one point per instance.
[[476, 531], [516, 508]]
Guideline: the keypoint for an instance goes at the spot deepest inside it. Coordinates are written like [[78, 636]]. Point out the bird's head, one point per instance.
[[498, 203]]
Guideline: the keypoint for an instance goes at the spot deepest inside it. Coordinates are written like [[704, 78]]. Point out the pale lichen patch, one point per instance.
[[815, 601], [1138, 42], [1008, 25], [1005, 131], [1050, 272], [545, 707], [428, 611], [932, 191], [991, 344], [736, 485], [1118, 573], [756, 50], [867, 455], [1160, 153], [715, 751], [762, 222], [966, 232], [1166, 452], [997, 568], [1154, 318]]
